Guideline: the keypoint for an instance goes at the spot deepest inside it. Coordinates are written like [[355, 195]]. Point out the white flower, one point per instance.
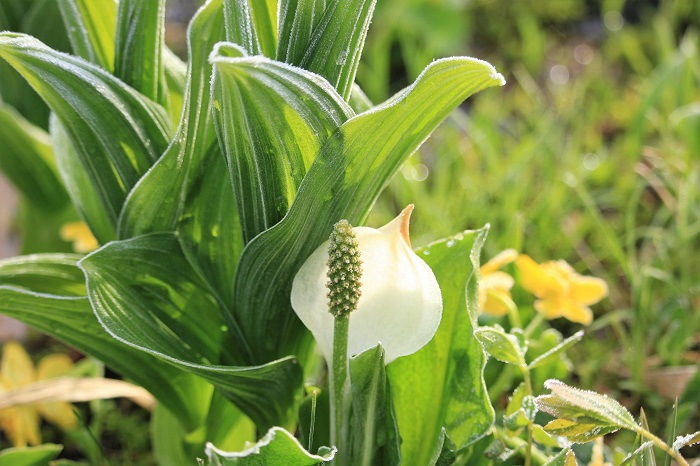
[[400, 305]]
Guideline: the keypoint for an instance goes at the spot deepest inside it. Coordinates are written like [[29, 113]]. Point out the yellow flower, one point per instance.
[[80, 235], [561, 291], [597, 458], [494, 286], [21, 423]]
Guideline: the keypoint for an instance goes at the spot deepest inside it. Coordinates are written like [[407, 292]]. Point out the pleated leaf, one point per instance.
[[145, 294], [272, 120], [277, 448], [240, 26], [91, 25], [46, 291], [441, 386], [375, 434], [330, 45], [139, 43], [28, 162], [265, 19], [352, 168], [117, 133], [156, 203]]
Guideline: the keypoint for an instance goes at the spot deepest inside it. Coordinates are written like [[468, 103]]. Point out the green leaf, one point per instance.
[[375, 435], [643, 453], [541, 436], [71, 320], [77, 181], [117, 133], [500, 345], [556, 351], [56, 274], [353, 167], [176, 79], [240, 26], [445, 454], [583, 406], [157, 201], [167, 437], [28, 162], [686, 440], [330, 45], [442, 384], [272, 120], [277, 448], [163, 307], [565, 457], [578, 432], [139, 40], [265, 19], [30, 456], [91, 26]]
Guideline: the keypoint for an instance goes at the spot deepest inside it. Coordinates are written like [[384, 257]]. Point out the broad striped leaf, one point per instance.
[[117, 133], [91, 25], [334, 45], [156, 203], [163, 308], [352, 168], [240, 26], [139, 40], [265, 19], [272, 120], [28, 161], [56, 274], [439, 392], [176, 80]]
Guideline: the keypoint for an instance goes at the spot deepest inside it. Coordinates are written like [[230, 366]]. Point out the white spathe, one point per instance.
[[400, 306]]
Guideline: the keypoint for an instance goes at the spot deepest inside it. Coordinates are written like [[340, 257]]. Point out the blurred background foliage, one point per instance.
[[591, 153]]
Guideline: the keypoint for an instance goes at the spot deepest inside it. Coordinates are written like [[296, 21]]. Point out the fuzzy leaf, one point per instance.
[[28, 162], [441, 387], [277, 448], [117, 133], [272, 120], [91, 25], [56, 274], [375, 432], [163, 307], [348, 174], [240, 26], [577, 432], [157, 201], [686, 440], [500, 345], [584, 407], [139, 48]]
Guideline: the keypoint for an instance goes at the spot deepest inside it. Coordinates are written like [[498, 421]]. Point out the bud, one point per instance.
[[398, 303]]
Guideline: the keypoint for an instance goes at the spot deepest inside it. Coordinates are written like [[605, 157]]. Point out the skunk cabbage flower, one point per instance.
[[561, 291], [399, 306]]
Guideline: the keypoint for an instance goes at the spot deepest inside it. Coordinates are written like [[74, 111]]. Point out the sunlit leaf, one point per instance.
[[501, 345], [557, 350], [30, 456], [578, 432], [353, 167], [56, 274], [240, 26], [91, 26]]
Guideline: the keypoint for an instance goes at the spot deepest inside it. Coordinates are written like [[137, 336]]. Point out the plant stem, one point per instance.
[[340, 392], [528, 388], [662, 445], [516, 443]]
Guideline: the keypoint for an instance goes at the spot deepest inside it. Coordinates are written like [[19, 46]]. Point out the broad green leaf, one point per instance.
[[28, 162], [167, 438], [176, 79], [117, 133], [30, 456], [240, 26], [157, 201], [56, 274], [209, 230], [501, 345], [77, 181], [557, 350], [138, 59], [578, 432], [226, 426], [541, 436], [352, 168], [145, 294], [584, 406], [91, 26], [375, 435], [445, 453], [298, 20], [71, 320], [441, 386], [265, 19], [277, 448], [334, 47], [272, 119]]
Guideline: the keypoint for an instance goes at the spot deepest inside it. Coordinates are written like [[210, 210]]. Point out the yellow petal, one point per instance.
[[17, 368], [58, 413], [53, 365], [498, 261], [497, 281], [536, 279], [21, 425], [588, 290], [80, 235], [550, 308], [577, 313], [496, 303]]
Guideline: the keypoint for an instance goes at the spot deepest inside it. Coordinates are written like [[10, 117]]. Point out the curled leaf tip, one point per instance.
[[344, 270]]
